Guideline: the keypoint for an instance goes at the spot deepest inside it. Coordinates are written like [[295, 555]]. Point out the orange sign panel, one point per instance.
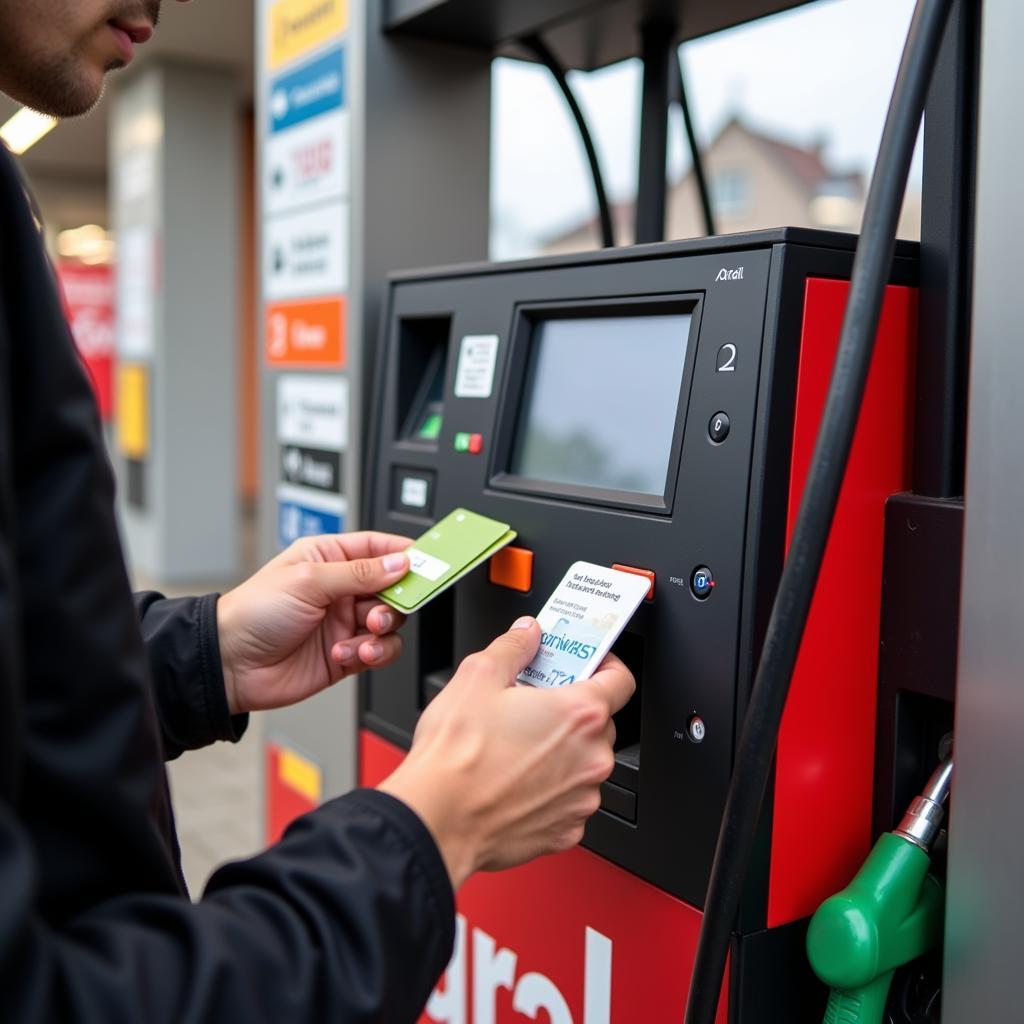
[[307, 333]]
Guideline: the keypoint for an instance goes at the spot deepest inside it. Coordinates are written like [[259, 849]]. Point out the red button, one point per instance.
[[513, 568], [638, 572], [476, 444]]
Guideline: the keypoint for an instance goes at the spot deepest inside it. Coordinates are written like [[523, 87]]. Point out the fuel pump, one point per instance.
[[755, 401]]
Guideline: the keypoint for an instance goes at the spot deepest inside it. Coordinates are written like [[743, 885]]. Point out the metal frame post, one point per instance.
[[657, 39]]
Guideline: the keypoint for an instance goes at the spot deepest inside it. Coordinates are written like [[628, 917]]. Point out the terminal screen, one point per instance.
[[600, 402]]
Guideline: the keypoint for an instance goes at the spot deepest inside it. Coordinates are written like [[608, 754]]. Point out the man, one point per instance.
[[350, 917]]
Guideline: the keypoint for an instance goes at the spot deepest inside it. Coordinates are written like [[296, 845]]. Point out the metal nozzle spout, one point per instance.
[[921, 823]]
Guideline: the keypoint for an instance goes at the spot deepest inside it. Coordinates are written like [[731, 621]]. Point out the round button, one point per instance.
[[696, 729], [718, 427], [702, 582]]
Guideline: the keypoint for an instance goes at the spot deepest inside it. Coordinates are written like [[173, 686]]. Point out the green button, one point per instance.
[[462, 442]]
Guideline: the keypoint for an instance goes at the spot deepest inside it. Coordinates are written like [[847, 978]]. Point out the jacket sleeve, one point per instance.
[[350, 918], [184, 660]]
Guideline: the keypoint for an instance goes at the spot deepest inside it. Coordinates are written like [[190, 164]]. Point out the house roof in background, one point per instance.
[[804, 165]]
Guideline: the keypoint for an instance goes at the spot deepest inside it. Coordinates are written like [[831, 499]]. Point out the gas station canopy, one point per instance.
[[586, 34]]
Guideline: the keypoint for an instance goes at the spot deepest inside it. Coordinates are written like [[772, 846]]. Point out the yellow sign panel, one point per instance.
[[301, 775], [297, 26], [133, 410]]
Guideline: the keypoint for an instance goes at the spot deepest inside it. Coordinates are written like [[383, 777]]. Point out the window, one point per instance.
[[542, 197], [730, 193]]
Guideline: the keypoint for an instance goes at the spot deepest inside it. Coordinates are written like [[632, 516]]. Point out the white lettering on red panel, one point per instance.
[[494, 968]]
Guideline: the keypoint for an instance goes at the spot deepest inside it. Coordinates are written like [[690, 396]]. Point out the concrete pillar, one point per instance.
[[174, 154]]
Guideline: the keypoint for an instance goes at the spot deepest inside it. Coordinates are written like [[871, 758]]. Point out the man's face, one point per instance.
[[56, 53]]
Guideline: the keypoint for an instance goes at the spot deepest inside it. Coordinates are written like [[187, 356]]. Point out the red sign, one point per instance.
[[89, 306], [570, 939]]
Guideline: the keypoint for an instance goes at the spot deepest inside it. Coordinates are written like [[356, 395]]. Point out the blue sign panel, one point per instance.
[[309, 90], [295, 521]]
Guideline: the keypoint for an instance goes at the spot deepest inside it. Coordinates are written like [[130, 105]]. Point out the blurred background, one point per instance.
[[152, 215]]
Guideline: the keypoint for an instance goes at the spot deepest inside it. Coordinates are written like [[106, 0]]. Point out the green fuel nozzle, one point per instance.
[[890, 914]]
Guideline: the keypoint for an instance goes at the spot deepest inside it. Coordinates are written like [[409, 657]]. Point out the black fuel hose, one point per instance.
[[871, 268], [543, 53]]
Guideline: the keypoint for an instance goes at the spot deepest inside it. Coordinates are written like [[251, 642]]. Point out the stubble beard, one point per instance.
[[63, 85], [67, 83]]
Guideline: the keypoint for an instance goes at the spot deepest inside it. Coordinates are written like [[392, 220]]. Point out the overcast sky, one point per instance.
[[823, 71]]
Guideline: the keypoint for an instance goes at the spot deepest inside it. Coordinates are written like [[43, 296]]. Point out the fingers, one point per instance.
[[341, 547], [371, 544], [507, 656], [331, 581], [366, 651], [614, 682], [377, 617]]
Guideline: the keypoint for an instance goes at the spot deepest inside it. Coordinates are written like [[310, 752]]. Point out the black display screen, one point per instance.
[[600, 401]]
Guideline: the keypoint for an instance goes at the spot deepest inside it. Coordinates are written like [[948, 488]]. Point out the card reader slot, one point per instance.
[[619, 793], [422, 365], [630, 648], [626, 772], [435, 682], [436, 622]]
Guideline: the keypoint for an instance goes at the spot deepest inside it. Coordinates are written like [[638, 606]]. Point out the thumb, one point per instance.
[[356, 578], [514, 650], [614, 682]]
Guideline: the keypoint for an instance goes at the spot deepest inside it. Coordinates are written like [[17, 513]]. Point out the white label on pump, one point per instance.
[[474, 376]]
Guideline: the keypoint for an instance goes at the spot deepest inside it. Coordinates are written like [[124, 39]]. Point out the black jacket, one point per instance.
[[349, 918]]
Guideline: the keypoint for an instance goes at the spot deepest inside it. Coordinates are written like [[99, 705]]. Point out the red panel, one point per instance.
[[377, 758], [822, 815], [569, 939], [88, 297], [283, 803]]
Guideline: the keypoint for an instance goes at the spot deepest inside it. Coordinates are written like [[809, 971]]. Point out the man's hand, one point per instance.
[[308, 618], [502, 773]]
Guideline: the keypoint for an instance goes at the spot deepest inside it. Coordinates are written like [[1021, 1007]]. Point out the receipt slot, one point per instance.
[[654, 409]]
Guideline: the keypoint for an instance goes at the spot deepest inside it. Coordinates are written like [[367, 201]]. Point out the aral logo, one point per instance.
[[533, 993], [725, 274]]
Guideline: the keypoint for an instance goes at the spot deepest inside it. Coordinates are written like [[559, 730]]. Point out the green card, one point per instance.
[[444, 554]]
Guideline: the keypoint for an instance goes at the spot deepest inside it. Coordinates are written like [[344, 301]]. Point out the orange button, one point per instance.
[[513, 568], [638, 572]]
